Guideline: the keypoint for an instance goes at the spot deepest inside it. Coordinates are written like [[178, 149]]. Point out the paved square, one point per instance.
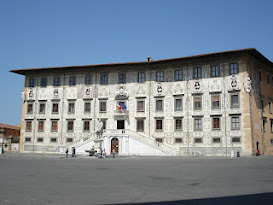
[[53, 179]]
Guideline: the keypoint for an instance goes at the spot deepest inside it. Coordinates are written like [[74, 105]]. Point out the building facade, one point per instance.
[[9, 137], [211, 104]]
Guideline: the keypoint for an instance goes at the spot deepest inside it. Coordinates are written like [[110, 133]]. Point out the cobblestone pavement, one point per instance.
[[30, 179]]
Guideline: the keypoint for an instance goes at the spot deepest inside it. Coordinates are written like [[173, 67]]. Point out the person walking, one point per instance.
[[66, 153], [113, 151]]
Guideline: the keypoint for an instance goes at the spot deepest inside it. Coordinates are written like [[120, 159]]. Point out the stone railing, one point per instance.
[[143, 137], [121, 112]]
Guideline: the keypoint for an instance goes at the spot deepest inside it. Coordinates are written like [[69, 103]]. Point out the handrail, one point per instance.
[[140, 136]]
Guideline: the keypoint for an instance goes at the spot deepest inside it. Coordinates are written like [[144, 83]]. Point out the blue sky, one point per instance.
[[65, 32]]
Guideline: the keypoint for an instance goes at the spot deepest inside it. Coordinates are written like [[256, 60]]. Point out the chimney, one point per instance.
[[149, 59]]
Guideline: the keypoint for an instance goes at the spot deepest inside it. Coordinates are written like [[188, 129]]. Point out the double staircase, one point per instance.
[[149, 143]]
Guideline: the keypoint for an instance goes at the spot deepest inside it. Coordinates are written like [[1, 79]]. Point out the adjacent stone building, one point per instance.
[[206, 104]]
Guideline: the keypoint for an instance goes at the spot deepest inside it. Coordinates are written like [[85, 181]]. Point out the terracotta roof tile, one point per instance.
[[9, 126]]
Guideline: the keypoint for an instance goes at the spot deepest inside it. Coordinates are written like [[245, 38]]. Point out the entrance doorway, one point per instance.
[[114, 145], [120, 124]]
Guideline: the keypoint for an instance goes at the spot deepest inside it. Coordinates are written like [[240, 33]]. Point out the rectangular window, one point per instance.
[[57, 81], [54, 126], [104, 124], [87, 107], [197, 124], [122, 78], [215, 102], [55, 108], [72, 81], [140, 125], [236, 139], [140, 106], [70, 126], [159, 125], [41, 126], [42, 108], [234, 100], [159, 140], [215, 71], [233, 68], [141, 77], [270, 106], [260, 76], [271, 125], [264, 124], [69, 140], [27, 139], [31, 82], [159, 105], [197, 103], [216, 140], [88, 80], [235, 122], [197, 140], [30, 108], [28, 126], [178, 75], [71, 108], [268, 79], [160, 76], [40, 139], [178, 140], [197, 73], [178, 124], [43, 82], [178, 104], [262, 105], [86, 125], [215, 123], [53, 140], [102, 106], [104, 79]]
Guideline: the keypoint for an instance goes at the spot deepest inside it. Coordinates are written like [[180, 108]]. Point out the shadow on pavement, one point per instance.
[[257, 199]]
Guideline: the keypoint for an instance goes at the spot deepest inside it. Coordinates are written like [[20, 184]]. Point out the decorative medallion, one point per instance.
[[197, 85], [247, 83], [159, 89], [233, 82], [56, 93], [121, 92]]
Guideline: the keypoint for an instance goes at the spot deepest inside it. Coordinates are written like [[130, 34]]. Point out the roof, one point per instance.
[[252, 51], [9, 126]]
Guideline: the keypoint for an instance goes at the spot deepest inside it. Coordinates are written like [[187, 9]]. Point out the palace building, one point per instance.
[[210, 104]]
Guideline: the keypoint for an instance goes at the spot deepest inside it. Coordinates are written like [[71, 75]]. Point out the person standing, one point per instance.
[[104, 153], [114, 151], [66, 153], [73, 152]]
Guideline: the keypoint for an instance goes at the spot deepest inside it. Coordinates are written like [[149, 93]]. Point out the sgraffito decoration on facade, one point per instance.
[[178, 89], [23, 96], [197, 86], [234, 83], [140, 91], [247, 83], [87, 92], [159, 89], [30, 94], [121, 92], [55, 93]]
